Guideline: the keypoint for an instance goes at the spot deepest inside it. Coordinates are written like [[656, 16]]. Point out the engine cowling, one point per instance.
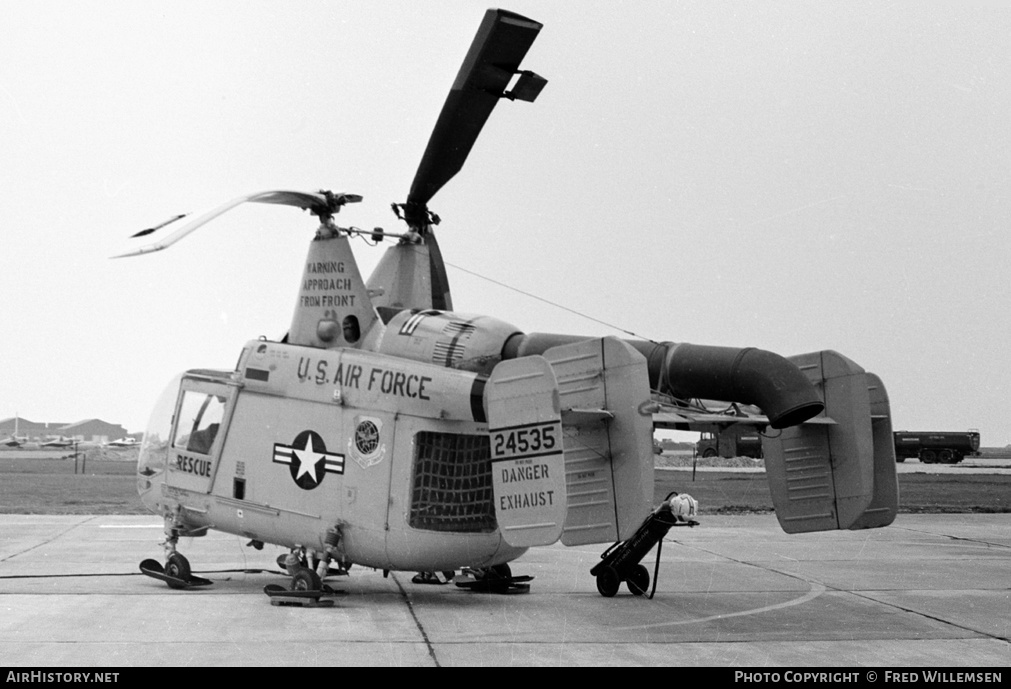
[[463, 341]]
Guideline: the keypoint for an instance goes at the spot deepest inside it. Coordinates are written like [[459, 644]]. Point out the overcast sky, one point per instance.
[[789, 176]]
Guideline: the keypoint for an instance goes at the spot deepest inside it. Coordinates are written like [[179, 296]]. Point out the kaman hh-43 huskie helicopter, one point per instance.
[[386, 430]]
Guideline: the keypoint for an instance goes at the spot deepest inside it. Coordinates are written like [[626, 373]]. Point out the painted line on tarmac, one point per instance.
[[816, 590], [50, 539], [130, 526]]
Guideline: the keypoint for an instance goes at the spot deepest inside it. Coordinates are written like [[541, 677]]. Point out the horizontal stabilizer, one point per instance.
[[690, 419], [585, 417]]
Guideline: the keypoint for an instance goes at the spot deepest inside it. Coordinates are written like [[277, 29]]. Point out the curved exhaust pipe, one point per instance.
[[750, 376], [686, 371]]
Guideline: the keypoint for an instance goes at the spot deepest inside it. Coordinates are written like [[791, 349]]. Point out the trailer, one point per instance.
[[936, 447]]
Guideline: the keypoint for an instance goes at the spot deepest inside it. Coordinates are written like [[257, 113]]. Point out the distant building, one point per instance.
[[91, 430], [29, 429]]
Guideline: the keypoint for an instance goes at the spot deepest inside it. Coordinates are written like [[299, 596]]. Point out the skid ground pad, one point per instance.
[[153, 568], [493, 585], [308, 599]]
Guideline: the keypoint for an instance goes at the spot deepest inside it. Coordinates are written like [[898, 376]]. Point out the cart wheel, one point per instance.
[[177, 566], [608, 582], [638, 580], [502, 571]]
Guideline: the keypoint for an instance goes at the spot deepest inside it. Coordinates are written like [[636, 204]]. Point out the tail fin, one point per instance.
[[838, 470], [885, 503], [603, 385], [528, 467]]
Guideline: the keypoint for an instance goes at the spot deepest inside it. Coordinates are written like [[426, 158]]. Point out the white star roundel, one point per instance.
[[307, 459]]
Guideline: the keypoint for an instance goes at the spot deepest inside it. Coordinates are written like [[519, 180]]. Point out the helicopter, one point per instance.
[[386, 430]]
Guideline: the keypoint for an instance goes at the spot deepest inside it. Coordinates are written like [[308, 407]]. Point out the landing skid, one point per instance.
[[308, 599], [154, 569]]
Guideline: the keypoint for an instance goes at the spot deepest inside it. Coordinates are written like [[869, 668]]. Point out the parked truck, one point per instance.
[[738, 440], [936, 447]]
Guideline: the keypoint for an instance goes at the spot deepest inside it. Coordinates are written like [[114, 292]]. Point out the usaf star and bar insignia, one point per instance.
[[308, 460]]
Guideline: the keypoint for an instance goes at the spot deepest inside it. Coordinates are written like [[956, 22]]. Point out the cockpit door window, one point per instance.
[[200, 416], [199, 430]]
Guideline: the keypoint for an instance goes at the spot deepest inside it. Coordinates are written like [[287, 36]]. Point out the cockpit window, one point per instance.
[[200, 417], [154, 448]]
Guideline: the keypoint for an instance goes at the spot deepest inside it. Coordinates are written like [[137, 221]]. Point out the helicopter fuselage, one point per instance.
[[381, 460]]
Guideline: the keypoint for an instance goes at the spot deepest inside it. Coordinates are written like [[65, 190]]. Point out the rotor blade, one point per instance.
[[155, 228], [299, 199], [502, 41], [441, 298]]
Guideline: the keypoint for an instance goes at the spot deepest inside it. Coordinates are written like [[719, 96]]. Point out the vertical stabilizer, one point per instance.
[[831, 473], [603, 384], [528, 467], [885, 503]]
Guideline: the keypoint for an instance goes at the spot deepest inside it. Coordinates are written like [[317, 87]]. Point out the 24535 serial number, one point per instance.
[[524, 441]]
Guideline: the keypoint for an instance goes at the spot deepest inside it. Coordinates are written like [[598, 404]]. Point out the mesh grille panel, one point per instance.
[[452, 483]]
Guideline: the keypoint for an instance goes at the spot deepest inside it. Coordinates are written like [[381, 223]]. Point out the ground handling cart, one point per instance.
[[622, 561]]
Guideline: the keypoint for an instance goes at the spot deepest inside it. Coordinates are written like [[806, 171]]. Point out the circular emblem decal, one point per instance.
[[366, 447], [367, 437]]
